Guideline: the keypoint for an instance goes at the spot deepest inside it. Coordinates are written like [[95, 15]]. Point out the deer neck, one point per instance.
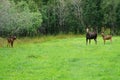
[[103, 36]]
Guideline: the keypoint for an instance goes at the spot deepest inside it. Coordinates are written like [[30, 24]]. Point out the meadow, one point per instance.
[[60, 58]]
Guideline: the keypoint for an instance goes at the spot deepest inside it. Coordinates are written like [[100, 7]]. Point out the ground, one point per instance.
[[60, 59]]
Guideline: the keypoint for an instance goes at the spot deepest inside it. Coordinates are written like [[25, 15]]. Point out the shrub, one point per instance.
[[18, 19]]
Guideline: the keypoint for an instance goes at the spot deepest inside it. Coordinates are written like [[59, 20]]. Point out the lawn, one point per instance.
[[60, 58]]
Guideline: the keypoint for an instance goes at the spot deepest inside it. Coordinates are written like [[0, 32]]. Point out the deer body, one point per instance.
[[91, 35], [106, 37], [11, 40]]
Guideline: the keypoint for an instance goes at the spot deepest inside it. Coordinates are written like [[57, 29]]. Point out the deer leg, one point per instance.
[[11, 44], [95, 41], [86, 41], [8, 45], [89, 41], [104, 41], [111, 40]]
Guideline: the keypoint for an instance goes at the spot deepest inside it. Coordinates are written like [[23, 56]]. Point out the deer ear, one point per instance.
[[87, 30]]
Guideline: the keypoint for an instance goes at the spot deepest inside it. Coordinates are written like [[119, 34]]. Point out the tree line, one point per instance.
[[44, 17]]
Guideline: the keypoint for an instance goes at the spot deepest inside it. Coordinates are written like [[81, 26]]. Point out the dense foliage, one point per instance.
[[18, 19], [34, 17]]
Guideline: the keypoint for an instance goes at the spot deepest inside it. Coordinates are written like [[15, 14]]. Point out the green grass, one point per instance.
[[60, 58]]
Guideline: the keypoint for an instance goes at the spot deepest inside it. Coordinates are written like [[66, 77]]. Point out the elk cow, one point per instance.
[[91, 35], [11, 40]]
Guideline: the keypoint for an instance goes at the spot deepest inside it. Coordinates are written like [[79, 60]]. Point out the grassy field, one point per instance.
[[60, 58]]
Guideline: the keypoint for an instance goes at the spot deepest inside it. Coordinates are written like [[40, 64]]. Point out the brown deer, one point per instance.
[[91, 35], [11, 40], [106, 37]]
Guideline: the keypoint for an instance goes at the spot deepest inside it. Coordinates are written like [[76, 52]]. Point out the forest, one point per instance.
[[52, 17]]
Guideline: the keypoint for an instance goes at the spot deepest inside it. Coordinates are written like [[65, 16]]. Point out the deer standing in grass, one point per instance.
[[11, 41], [91, 35], [106, 37]]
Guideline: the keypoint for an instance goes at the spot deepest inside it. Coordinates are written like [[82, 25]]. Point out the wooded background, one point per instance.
[[52, 17]]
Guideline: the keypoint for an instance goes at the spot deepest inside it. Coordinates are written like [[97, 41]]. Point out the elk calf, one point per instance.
[[11, 40], [106, 37]]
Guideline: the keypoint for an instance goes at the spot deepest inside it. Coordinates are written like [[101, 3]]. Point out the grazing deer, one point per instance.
[[11, 40], [106, 37], [91, 35]]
